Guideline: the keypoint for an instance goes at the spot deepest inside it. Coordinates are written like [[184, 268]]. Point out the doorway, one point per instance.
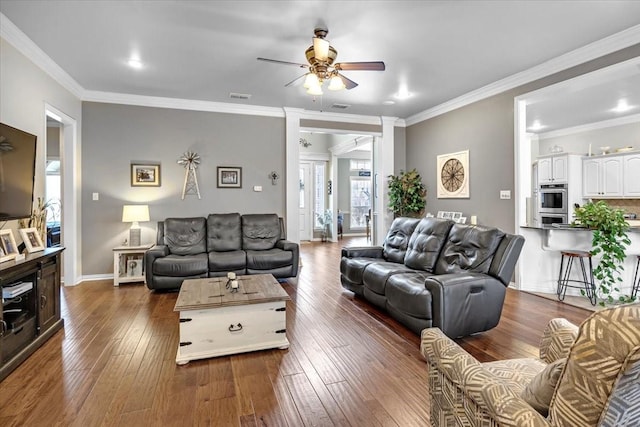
[[53, 183], [336, 187], [69, 189]]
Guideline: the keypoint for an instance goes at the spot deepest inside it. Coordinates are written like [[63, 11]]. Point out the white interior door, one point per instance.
[[305, 205]]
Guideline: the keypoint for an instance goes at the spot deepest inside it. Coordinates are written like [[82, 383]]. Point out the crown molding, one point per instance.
[[578, 56], [619, 121], [180, 104], [14, 36]]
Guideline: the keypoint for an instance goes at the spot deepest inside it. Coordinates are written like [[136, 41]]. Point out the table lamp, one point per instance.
[[135, 214]]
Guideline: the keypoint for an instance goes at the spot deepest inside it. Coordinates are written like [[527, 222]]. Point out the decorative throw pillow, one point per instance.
[[539, 391]]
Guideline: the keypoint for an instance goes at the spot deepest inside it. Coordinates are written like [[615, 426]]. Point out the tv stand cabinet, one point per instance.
[[29, 319]]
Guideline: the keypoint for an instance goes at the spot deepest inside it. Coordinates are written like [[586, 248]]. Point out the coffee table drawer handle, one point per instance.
[[235, 328]]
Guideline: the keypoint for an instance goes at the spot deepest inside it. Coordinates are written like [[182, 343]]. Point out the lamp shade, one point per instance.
[[135, 213]]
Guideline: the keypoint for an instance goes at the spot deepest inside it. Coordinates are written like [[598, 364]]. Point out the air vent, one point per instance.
[[234, 95], [340, 106]]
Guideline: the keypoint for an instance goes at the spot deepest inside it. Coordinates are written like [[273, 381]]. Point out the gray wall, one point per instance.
[[116, 135], [24, 90], [486, 128]]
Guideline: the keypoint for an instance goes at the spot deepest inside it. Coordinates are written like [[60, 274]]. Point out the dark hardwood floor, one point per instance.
[[348, 364]]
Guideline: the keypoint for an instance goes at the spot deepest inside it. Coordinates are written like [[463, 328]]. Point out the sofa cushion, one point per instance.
[[468, 248], [181, 265], [227, 261], [539, 391], [269, 259], [376, 274], [260, 231], [185, 236], [353, 268], [406, 292], [426, 243], [224, 232], [397, 240]]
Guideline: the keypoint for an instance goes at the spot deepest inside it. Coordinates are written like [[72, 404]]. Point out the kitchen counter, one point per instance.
[[539, 263], [632, 229]]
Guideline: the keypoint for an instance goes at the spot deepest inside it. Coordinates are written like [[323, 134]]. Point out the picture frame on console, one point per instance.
[[31, 239], [8, 247], [145, 175], [229, 177]]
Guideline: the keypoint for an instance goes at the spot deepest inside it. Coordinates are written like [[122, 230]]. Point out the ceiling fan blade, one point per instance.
[[276, 61], [296, 81], [361, 66], [348, 83]]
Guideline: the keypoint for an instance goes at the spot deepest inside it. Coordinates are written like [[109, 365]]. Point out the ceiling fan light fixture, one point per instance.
[[311, 80], [336, 83], [315, 90], [321, 48]]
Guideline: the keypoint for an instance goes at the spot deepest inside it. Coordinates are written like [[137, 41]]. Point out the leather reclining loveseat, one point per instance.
[[433, 272], [191, 248]]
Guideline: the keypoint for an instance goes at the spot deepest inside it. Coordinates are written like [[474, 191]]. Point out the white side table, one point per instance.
[[128, 264]]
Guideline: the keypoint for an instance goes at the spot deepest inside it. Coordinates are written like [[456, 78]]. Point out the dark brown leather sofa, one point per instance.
[[435, 273], [190, 248]]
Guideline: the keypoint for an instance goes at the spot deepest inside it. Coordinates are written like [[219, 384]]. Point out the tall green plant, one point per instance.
[[609, 240], [407, 194]]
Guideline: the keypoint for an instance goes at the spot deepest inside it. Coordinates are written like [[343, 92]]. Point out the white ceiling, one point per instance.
[[203, 50]]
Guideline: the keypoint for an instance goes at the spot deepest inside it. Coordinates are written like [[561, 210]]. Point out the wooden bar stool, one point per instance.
[[635, 286], [587, 281]]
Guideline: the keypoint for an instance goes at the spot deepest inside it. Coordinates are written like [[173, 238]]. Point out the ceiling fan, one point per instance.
[[320, 56]]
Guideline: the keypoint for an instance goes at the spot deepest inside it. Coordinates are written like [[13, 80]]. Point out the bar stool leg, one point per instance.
[[564, 280], [592, 283], [588, 284], [559, 287], [636, 280]]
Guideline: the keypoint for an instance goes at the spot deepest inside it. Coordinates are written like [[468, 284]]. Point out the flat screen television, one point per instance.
[[17, 172]]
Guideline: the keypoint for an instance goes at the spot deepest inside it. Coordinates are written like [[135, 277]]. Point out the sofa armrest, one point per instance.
[[362, 252], [157, 251], [557, 339], [465, 303], [462, 389], [286, 245]]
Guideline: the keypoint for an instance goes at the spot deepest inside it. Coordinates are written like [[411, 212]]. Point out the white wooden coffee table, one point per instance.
[[216, 322]]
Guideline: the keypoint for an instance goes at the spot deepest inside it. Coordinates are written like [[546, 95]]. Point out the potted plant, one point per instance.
[[609, 241], [325, 219], [407, 194]]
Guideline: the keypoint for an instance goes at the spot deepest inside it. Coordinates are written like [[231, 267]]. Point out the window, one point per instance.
[[356, 165], [360, 201], [318, 193]]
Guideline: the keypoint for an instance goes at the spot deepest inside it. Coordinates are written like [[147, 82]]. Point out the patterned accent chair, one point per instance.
[[599, 384]]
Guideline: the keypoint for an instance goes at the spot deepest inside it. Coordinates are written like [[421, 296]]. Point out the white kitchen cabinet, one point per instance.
[[602, 177], [553, 170], [632, 175]]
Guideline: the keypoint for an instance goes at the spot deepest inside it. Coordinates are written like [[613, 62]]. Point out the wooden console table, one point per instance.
[[30, 318]]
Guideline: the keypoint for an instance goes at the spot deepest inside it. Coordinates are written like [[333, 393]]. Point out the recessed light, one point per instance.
[[536, 125], [622, 107], [389, 102], [135, 63]]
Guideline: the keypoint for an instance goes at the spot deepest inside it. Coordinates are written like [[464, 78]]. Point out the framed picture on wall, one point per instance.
[[8, 247], [229, 177], [145, 175], [453, 175], [31, 239]]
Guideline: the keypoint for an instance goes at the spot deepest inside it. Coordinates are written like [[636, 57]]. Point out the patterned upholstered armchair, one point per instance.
[[597, 385]]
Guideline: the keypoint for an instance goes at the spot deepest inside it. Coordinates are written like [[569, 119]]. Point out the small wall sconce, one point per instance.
[[274, 177]]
